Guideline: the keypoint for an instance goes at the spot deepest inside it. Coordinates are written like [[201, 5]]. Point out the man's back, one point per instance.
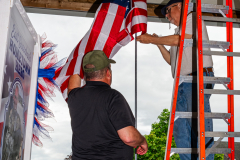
[[97, 113]]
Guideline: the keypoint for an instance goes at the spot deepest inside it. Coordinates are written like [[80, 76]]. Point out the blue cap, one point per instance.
[[163, 10]]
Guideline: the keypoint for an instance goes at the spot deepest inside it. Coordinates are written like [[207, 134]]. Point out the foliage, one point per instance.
[[219, 157], [157, 139]]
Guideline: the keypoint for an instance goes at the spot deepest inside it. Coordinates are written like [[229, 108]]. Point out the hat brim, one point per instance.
[[112, 61], [163, 10]]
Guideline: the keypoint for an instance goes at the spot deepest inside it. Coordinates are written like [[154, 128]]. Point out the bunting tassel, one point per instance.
[[48, 66]]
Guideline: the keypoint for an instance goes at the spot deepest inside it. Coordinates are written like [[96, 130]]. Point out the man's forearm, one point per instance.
[[172, 40], [138, 140], [130, 136], [165, 53]]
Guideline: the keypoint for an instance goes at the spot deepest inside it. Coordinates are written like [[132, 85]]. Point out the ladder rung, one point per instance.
[[221, 19], [221, 91], [195, 150], [206, 79], [235, 54], [207, 115], [209, 8], [222, 134], [208, 44]]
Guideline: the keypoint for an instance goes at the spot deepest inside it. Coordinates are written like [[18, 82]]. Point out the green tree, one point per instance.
[[219, 157], [157, 140]]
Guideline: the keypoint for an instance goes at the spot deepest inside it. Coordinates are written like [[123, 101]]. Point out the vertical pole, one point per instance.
[[135, 86], [176, 80], [201, 120], [229, 27]]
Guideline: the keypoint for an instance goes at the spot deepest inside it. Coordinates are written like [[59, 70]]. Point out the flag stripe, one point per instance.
[[135, 12], [139, 27], [109, 32], [112, 38], [64, 84], [73, 61], [96, 29], [81, 51], [135, 21], [141, 5], [106, 28]]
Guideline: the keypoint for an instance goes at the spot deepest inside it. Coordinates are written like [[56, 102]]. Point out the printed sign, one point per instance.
[[16, 88]]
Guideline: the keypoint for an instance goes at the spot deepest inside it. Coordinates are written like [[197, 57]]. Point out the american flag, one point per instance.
[[114, 24]]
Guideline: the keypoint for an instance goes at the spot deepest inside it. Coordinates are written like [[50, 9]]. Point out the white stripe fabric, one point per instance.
[[107, 26], [137, 20], [140, 4]]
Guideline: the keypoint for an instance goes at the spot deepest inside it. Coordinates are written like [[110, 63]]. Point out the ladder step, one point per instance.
[[209, 8], [207, 115], [235, 54], [206, 79], [222, 134], [221, 19], [221, 91], [195, 150], [208, 44]]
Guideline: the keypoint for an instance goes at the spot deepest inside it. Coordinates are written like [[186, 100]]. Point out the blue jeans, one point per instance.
[[185, 130]]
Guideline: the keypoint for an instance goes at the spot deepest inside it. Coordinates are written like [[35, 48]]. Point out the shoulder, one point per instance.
[[191, 16], [73, 92], [116, 93]]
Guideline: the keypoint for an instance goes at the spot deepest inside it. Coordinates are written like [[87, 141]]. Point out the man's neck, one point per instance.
[[100, 80]]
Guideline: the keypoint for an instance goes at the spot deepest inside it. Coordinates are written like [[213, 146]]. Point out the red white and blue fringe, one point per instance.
[[48, 65]]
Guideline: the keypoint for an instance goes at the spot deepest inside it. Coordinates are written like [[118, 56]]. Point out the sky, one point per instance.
[[154, 79]]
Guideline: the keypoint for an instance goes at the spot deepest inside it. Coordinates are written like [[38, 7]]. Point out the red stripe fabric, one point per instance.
[[57, 72], [97, 26], [135, 12], [122, 35], [112, 39], [139, 27], [73, 61], [64, 85]]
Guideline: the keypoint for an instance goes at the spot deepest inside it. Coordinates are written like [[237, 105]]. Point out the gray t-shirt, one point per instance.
[[189, 56]]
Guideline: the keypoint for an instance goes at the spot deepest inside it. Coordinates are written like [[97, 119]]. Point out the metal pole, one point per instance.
[[135, 86]]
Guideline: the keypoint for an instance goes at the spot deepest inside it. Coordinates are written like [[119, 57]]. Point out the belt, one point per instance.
[[204, 70]]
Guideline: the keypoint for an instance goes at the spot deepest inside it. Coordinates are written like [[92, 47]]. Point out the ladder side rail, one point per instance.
[[229, 28], [176, 80], [201, 120]]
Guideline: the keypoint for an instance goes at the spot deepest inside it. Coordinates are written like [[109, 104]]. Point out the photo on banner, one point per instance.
[[16, 88]]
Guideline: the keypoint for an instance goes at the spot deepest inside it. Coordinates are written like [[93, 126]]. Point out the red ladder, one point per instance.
[[202, 151]]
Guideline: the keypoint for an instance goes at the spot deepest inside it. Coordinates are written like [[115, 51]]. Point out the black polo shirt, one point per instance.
[[97, 112]]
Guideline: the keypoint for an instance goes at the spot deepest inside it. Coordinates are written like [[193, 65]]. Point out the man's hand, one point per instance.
[[155, 35], [145, 38], [142, 149]]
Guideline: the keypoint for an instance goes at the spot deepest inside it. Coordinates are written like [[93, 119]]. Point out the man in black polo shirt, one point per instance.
[[101, 119]]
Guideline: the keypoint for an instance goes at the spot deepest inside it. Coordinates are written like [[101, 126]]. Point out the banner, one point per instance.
[[16, 87]]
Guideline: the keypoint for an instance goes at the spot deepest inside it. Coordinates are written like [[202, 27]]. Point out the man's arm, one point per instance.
[[131, 137], [74, 82], [164, 51], [172, 40]]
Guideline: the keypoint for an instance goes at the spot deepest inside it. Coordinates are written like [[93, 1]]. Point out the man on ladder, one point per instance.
[[185, 130]]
